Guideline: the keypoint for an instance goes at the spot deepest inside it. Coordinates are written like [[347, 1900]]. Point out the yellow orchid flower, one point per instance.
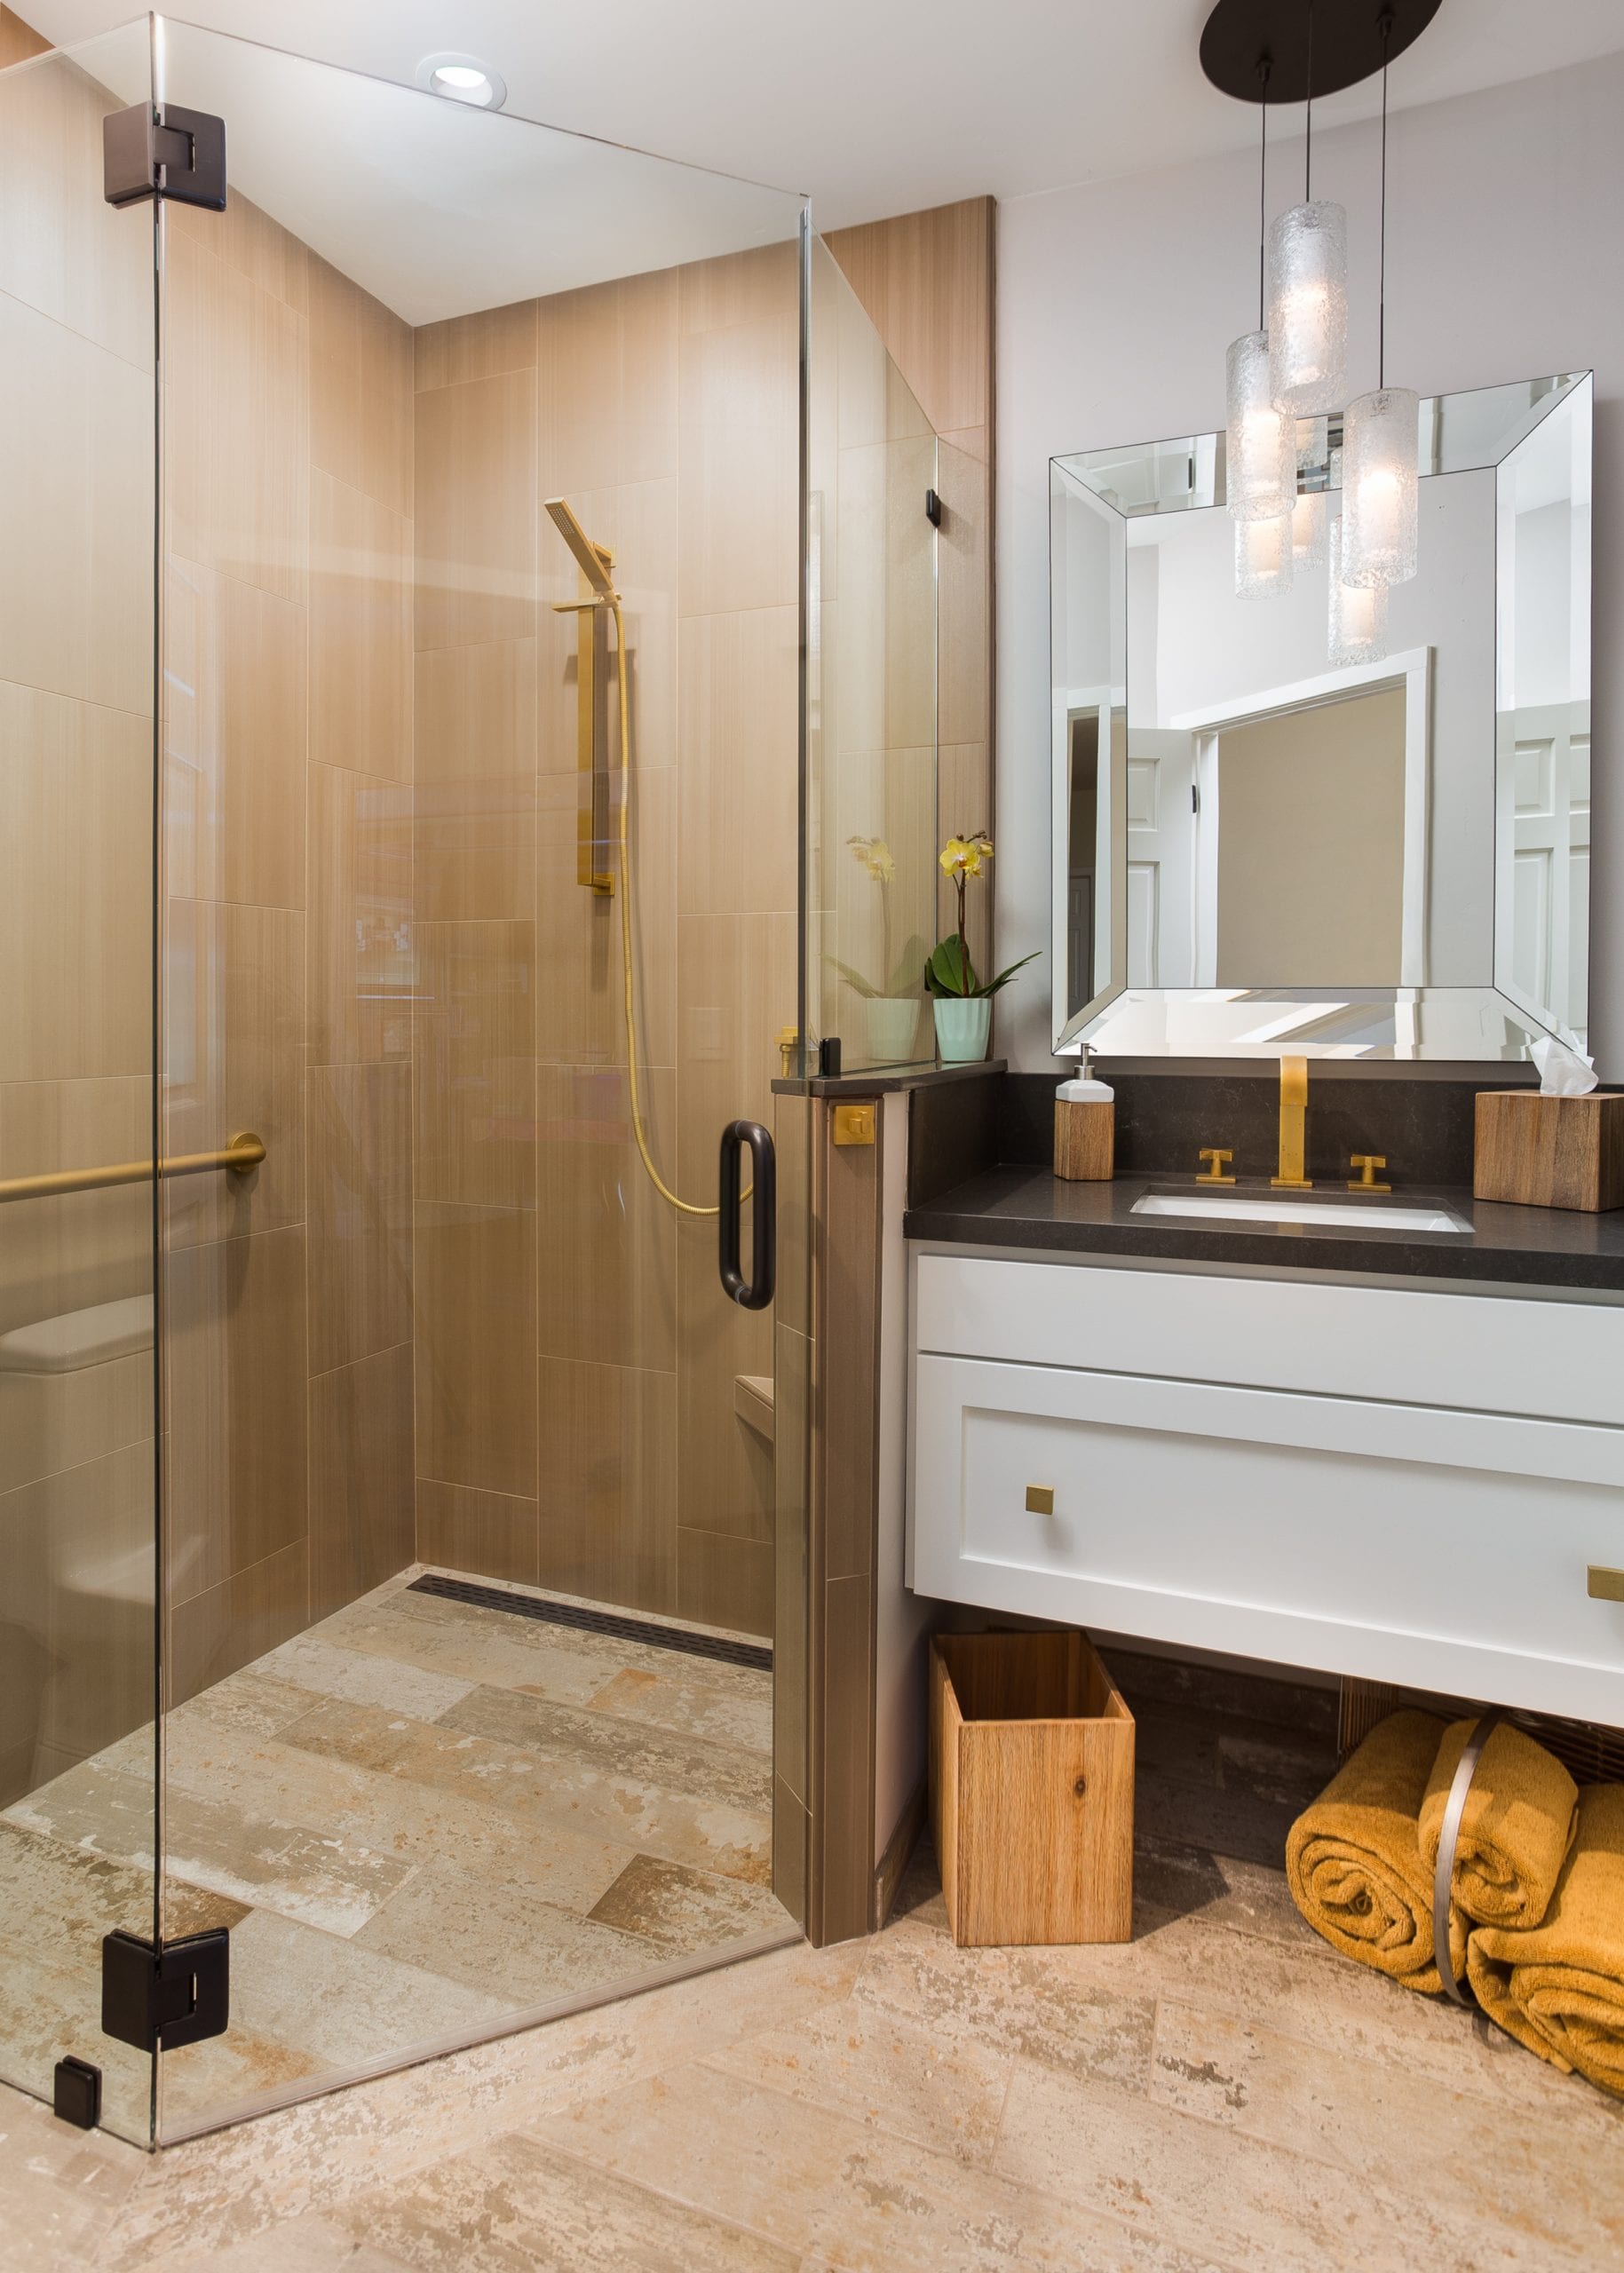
[[963, 856], [876, 856]]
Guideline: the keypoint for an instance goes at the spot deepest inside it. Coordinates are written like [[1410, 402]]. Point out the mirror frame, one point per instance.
[[1492, 1021]]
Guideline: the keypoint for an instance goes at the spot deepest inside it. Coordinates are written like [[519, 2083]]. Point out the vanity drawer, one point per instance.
[[1443, 1549], [1469, 1351]]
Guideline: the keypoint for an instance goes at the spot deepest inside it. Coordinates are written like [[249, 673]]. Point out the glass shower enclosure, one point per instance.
[[466, 592]]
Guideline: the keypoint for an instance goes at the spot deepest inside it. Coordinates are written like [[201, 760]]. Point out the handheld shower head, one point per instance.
[[596, 560]]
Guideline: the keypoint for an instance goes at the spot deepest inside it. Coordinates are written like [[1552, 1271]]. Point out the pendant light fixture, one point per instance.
[[1381, 449], [1307, 315], [1261, 446], [1264, 559], [1357, 631]]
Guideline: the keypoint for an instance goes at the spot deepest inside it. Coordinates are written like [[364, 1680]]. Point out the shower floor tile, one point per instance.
[[422, 1818]]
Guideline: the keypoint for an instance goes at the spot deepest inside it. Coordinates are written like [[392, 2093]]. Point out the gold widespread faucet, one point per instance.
[[1293, 1115]]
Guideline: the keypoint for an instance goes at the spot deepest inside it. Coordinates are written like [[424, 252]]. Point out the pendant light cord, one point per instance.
[[1387, 33], [1263, 68], [1308, 138]]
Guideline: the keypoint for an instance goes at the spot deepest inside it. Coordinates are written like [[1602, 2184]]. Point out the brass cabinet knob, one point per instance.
[[1220, 1161], [1367, 1163], [1040, 1499]]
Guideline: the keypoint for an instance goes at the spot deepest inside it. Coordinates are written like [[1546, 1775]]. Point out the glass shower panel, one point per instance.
[[471, 1680], [78, 1428], [872, 688]]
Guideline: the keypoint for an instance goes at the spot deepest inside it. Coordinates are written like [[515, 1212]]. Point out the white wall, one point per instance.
[[1116, 302]]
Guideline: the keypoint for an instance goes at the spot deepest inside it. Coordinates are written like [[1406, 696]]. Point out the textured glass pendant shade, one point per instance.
[[1357, 626], [1381, 485], [1262, 557], [1308, 309], [1308, 520], [1261, 461]]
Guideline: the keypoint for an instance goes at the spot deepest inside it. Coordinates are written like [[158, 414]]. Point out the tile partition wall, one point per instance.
[[289, 906], [576, 1357], [927, 281], [76, 1450]]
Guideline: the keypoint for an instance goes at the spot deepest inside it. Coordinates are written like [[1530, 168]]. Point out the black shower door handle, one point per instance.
[[756, 1292]]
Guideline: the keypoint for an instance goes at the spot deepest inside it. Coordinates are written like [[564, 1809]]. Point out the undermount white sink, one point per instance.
[[1282, 1207]]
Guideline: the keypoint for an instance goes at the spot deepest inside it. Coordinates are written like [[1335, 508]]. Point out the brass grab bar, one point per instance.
[[243, 1152]]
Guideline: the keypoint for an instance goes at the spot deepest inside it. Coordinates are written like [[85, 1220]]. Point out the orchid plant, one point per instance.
[[950, 970], [876, 857]]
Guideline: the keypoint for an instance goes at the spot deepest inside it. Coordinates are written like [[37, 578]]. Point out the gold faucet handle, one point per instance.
[[1367, 1163], [1215, 1173]]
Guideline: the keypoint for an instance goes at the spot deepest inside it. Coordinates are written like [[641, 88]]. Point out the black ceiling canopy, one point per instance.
[[1241, 34]]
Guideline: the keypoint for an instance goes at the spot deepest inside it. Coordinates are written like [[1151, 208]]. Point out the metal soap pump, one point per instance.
[[1085, 1128]]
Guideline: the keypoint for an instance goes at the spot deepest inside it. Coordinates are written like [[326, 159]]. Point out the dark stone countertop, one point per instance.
[[1025, 1206], [879, 1080]]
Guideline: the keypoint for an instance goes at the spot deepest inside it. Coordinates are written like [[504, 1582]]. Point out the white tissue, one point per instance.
[[1563, 1073]]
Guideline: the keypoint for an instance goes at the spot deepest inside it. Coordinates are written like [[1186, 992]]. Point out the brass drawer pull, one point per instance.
[[1605, 1584], [1040, 1499]]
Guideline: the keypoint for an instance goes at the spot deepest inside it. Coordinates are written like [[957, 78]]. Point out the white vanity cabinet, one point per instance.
[[1408, 1486]]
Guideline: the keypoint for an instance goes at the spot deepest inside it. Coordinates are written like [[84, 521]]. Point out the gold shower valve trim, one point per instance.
[[854, 1124]]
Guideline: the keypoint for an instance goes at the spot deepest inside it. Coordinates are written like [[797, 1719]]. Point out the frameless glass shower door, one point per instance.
[[78, 1427]]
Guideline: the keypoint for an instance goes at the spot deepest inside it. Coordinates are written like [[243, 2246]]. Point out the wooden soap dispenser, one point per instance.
[[1085, 1128]]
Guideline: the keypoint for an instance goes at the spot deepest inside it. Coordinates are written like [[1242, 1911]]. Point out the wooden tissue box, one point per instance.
[[1542, 1152], [1032, 1786]]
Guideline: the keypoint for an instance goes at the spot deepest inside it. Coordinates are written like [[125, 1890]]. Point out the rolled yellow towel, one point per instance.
[[1516, 1828], [1354, 1864], [1558, 1987]]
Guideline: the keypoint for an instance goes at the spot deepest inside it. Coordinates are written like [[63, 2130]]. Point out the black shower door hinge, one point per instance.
[[147, 152], [167, 1993]]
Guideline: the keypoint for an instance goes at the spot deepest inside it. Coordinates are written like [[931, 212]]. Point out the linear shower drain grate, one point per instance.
[[756, 1655]]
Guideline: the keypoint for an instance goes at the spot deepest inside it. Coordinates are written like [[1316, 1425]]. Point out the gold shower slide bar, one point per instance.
[[242, 1154]]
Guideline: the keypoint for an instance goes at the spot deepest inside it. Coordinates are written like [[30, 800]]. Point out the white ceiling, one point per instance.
[[876, 107]]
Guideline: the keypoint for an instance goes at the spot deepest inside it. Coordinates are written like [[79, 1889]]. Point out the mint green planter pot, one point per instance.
[[963, 1024]]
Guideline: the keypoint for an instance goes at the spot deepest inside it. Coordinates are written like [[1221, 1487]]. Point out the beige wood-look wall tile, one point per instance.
[[738, 466], [361, 631], [475, 347], [488, 1534], [607, 358], [233, 1014], [608, 1282], [360, 390], [474, 1046], [608, 1470], [965, 796], [738, 784], [49, 1423], [847, 1329], [926, 281], [361, 1213], [19, 41], [63, 248], [245, 237], [725, 1582], [77, 475], [581, 1012], [88, 1247], [233, 740], [964, 570], [638, 522], [216, 1633], [236, 424], [474, 1285], [792, 1393], [362, 1500], [843, 1804], [751, 287], [78, 1658], [75, 915], [361, 917], [736, 986], [474, 736], [237, 1356], [476, 511]]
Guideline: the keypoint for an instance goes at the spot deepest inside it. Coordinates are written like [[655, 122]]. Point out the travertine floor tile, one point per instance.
[[679, 1909], [60, 2190]]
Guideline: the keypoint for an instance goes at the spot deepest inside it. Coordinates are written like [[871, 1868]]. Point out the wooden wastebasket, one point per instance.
[[1031, 1769]]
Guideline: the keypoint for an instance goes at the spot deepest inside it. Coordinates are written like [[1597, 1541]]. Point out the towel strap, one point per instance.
[[1443, 1878]]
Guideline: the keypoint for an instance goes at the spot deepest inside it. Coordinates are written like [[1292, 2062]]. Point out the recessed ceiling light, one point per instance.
[[463, 79]]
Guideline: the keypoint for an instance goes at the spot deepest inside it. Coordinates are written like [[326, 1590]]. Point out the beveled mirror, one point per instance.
[[1274, 832]]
